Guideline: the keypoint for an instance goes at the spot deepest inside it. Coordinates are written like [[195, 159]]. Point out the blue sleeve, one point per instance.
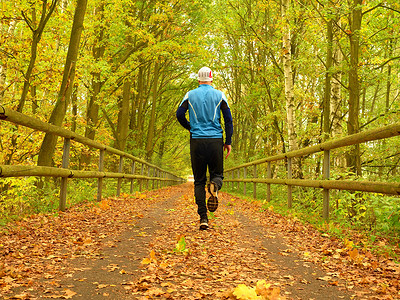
[[226, 112], [180, 115]]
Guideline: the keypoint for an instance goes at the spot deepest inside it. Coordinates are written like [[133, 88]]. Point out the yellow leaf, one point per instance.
[[348, 244], [243, 292], [325, 278], [69, 294], [154, 292], [102, 286], [262, 288], [149, 260], [146, 261], [353, 253]]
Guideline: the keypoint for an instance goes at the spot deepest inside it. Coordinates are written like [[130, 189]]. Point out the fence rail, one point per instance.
[[326, 184], [154, 173]]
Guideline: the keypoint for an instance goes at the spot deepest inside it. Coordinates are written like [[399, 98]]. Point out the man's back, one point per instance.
[[205, 111]]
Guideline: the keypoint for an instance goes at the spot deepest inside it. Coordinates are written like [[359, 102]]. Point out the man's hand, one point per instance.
[[228, 150]]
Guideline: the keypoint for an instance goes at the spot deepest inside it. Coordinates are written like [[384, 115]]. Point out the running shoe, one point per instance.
[[212, 202], [203, 224]]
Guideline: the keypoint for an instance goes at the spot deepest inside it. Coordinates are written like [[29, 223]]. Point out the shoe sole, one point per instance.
[[203, 226], [212, 203]]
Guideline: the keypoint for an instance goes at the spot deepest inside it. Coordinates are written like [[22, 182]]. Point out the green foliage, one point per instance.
[[21, 197], [181, 246], [374, 212], [373, 215]]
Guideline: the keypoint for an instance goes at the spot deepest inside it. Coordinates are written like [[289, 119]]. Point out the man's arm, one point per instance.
[[226, 113], [181, 114]]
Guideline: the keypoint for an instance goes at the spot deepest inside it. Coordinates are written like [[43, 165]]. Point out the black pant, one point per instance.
[[206, 153]]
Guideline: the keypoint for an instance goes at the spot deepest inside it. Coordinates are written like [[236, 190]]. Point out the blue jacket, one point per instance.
[[205, 105]]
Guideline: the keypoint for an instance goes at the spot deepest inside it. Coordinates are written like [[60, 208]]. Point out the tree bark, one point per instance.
[[328, 78], [152, 121], [3, 65], [57, 116], [353, 157], [388, 80], [123, 117], [37, 35], [336, 105], [288, 74]]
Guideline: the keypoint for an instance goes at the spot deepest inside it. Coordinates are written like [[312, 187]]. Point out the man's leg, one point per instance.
[[216, 161], [199, 167]]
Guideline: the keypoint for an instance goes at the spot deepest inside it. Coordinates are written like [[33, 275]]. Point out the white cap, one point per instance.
[[205, 74]]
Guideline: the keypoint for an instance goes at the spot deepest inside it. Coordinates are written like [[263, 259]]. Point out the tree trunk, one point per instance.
[[328, 78], [57, 116], [288, 74], [74, 100], [388, 80], [35, 104], [123, 117], [336, 105], [37, 35], [3, 65], [152, 121], [92, 109], [353, 157]]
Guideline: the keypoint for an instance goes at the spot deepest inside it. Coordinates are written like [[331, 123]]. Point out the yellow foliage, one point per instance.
[[348, 244], [243, 292], [262, 291], [151, 259]]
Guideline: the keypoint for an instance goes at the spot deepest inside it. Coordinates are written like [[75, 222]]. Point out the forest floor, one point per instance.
[[149, 246]]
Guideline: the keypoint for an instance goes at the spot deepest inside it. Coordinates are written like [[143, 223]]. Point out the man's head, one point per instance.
[[205, 75]]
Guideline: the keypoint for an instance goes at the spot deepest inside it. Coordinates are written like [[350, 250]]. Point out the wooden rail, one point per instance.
[[326, 184], [154, 173]]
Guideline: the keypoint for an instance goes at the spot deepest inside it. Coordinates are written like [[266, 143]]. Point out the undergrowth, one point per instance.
[[372, 219], [20, 196]]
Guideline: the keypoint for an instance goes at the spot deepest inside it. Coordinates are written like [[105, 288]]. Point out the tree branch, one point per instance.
[[386, 62], [27, 21]]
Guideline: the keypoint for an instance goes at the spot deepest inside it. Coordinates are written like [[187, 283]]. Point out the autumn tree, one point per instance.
[[63, 99]]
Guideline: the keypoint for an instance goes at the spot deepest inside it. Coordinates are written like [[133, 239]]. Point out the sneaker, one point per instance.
[[212, 203], [203, 224]]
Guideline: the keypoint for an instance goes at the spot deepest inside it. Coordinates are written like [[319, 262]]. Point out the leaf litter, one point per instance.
[[182, 262]]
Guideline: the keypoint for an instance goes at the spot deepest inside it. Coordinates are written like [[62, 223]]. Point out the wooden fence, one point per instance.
[[154, 173], [325, 184]]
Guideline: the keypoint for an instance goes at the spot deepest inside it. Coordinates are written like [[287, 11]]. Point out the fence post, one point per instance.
[[147, 180], [119, 182], [238, 176], [326, 171], [255, 184], [133, 172], [244, 183], [289, 176], [153, 175], [65, 163], [269, 176], [141, 180], [100, 180]]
